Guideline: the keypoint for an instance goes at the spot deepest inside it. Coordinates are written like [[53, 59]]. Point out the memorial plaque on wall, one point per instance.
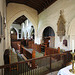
[[61, 25]]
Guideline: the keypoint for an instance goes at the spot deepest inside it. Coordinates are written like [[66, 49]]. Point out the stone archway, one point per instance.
[[49, 36], [48, 31], [13, 13]]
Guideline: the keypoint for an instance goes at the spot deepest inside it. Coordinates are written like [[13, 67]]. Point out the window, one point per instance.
[[19, 33]]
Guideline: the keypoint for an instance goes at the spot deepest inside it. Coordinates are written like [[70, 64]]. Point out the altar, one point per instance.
[[65, 71]]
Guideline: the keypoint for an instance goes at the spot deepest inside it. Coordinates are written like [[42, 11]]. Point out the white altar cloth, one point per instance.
[[65, 71]]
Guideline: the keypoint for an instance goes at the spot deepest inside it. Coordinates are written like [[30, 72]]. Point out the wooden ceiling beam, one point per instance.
[[38, 5], [48, 2], [44, 3], [20, 20]]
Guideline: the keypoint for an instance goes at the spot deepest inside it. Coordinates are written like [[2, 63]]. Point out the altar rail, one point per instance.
[[42, 65]]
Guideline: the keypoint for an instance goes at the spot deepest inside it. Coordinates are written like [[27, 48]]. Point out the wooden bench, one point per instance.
[[24, 57], [49, 51], [29, 53], [36, 47], [29, 64]]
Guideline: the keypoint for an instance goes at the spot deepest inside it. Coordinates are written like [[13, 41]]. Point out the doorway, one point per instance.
[[49, 37]]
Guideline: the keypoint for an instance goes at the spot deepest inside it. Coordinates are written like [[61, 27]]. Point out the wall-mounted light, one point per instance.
[[12, 32]]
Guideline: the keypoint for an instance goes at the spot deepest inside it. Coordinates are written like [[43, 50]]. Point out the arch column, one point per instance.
[[71, 33], [36, 36], [9, 40], [6, 37]]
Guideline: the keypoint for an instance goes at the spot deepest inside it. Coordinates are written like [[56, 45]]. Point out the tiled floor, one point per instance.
[[53, 73]]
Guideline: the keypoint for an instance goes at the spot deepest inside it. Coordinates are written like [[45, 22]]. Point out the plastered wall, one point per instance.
[[50, 16], [25, 28], [2, 43]]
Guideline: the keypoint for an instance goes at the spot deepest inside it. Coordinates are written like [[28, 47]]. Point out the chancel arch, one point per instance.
[[48, 36], [13, 14], [25, 29]]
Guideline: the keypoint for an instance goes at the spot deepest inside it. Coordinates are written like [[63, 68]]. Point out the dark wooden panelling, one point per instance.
[[20, 20], [38, 5]]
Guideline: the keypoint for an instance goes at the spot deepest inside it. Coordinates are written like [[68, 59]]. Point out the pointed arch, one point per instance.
[[13, 13], [48, 36], [71, 29]]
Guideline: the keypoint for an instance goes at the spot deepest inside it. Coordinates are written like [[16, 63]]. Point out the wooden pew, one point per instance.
[[49, 51], [15, 44], [27, 54], [68, 56], [29, 64], [30, 43], [36, 47]]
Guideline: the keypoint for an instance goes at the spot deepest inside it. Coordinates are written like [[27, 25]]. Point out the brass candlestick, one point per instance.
[[72, 70]]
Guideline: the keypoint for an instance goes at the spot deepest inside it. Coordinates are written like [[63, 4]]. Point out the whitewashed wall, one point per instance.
[[71, 33], [2, 43], [25, 28], [50, 16]]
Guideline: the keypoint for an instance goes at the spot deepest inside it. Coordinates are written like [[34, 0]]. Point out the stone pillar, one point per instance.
[[8, 37], [39, 39], [36, 36]]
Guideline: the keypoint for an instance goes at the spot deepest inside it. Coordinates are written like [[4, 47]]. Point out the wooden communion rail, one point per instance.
[[39, 66]]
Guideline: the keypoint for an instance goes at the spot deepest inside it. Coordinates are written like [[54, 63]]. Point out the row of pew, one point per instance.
[[18, 45], [23, 45]]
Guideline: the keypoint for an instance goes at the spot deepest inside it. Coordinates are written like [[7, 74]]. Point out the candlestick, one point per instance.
[[72, 46], [72, 70]]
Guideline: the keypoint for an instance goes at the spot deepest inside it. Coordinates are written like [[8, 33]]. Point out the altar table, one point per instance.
[[65, 71]]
